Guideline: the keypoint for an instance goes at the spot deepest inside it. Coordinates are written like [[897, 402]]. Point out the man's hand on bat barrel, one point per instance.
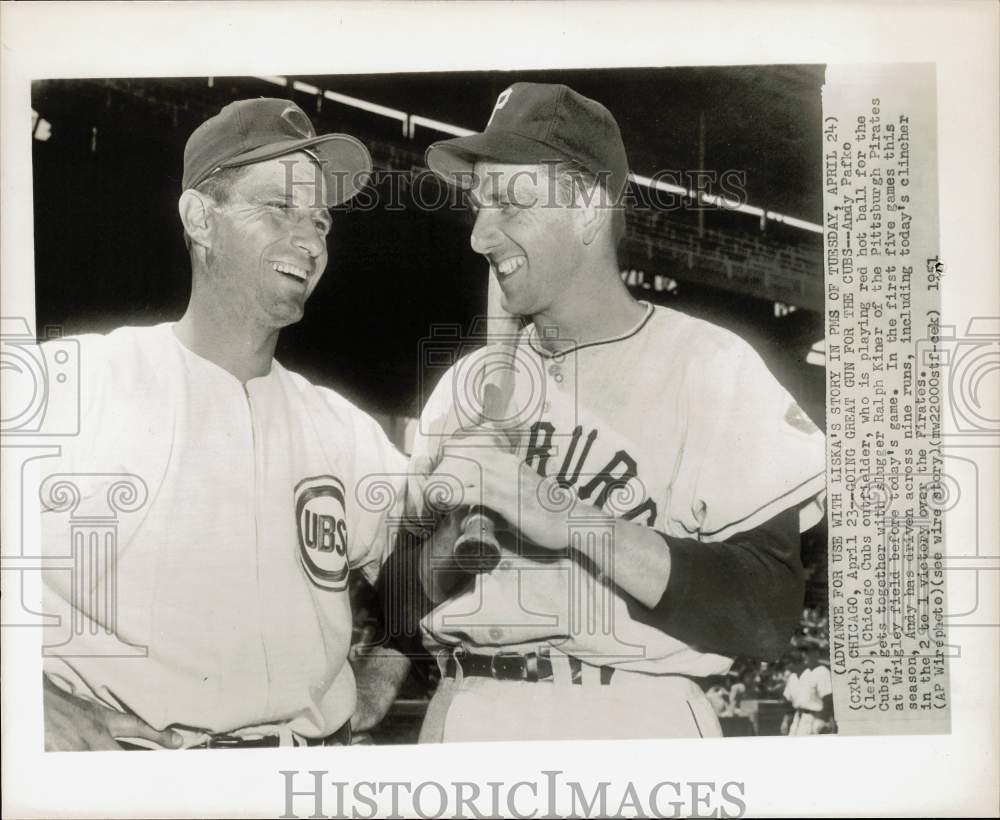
[[472, 472]]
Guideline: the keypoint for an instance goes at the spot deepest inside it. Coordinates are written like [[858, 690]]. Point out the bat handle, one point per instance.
[[477, 548]]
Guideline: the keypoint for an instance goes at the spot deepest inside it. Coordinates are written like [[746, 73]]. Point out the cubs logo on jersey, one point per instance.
[[321, 522]]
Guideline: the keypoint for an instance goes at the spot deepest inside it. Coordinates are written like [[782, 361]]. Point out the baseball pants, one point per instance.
[[631, 705]]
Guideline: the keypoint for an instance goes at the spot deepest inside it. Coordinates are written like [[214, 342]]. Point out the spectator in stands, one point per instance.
[[768, 680], [811, 693], [796, 667], [742, 689]]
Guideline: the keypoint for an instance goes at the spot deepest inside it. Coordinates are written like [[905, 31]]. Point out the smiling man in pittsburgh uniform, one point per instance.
[[658, 481]]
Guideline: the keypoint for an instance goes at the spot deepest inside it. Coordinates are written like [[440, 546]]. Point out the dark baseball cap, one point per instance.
[[538, 122], [248, 131]]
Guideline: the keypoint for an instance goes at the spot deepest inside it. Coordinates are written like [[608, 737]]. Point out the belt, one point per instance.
[[342, 737], [532, 667]]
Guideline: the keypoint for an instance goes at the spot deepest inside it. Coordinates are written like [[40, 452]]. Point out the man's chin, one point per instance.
[[513, 305], [286, 314], [523, 309]]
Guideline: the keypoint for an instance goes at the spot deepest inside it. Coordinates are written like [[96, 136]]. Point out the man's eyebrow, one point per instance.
[[272, 190]]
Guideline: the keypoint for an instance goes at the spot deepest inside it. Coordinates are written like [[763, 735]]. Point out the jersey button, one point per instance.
[[496, 633], [505, 564]]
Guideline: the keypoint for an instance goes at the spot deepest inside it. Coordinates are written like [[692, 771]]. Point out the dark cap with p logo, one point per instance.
[[538, 122]]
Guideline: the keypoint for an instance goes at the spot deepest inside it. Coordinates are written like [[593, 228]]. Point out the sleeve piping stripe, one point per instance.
[[795, 494]]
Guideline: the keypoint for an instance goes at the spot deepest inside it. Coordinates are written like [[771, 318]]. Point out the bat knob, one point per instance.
[[477, 548]]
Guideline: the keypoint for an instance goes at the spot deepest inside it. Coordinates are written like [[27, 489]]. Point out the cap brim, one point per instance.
[[346, 163], [453, 160]]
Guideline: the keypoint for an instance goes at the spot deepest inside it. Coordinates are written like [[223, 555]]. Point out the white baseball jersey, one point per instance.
[[813, 685], [791, 690], [678, 425], [233, 546], [806, 692]]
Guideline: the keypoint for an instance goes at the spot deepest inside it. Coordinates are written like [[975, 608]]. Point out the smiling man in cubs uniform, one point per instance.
[[229, 622], [657, 479]]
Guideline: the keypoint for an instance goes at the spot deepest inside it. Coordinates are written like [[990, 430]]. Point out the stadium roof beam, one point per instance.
[[411, 121]]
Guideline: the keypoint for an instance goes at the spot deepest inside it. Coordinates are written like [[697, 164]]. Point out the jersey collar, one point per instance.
[[628, 334]]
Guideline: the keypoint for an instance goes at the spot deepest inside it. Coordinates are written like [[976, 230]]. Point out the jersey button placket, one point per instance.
[[256, 449], [558, 370]]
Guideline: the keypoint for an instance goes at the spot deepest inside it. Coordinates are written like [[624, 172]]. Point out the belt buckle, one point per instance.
[[541, 668], [213, 742], [225, 741]]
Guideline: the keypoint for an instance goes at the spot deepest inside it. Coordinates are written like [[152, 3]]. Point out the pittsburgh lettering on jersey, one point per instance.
[[321, 523], [600, 483]]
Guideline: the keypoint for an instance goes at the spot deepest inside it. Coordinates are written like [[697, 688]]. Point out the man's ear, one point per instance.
[[194, 209], [595, 214]]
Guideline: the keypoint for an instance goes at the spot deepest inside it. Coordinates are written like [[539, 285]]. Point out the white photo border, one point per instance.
[[950, 775]]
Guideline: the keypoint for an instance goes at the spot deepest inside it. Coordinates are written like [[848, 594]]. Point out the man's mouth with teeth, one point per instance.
[[301, 274], [509, 266]]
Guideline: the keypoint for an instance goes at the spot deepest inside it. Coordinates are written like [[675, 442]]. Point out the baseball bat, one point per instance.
[[477, 548]]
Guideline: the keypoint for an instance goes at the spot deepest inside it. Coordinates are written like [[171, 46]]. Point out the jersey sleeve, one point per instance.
[[380, 492], [84, 407], [750, 452], [824, 681], [788, 693], [371, 469], [439, 420], [742, 596], [79, 411]]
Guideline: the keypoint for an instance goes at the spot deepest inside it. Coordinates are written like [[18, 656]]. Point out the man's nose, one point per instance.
[[485, 237], [306, 236]]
